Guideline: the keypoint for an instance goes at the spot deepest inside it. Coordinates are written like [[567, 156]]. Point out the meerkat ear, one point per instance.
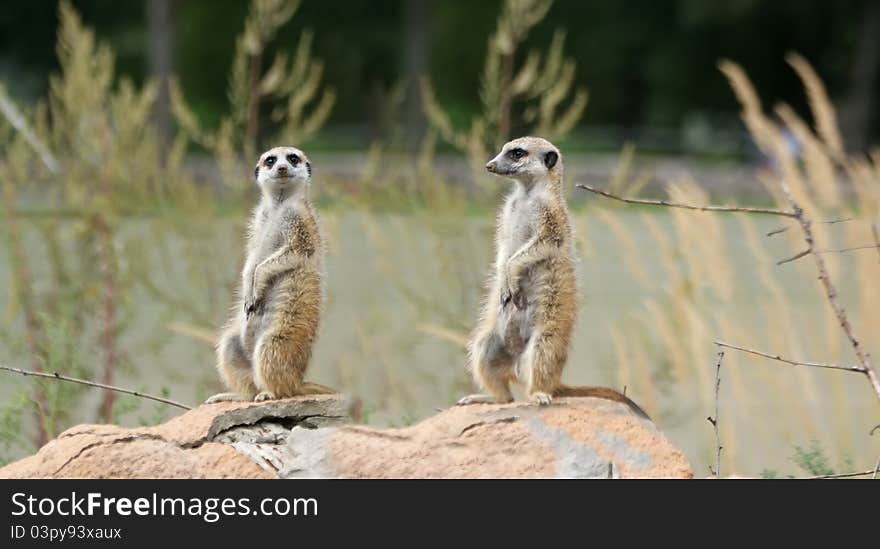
[[309, 168], [257, 171], [550, 159]]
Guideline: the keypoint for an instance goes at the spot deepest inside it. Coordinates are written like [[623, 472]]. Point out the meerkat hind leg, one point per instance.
[[541, 366], [492, 372], [234, 368], [280, 361]]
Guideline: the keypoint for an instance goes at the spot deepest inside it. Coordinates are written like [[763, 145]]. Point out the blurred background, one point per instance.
[[129, 131], [650, 67]]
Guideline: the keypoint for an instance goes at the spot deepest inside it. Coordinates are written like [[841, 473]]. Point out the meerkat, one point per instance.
[[525, 326], [264, 349]]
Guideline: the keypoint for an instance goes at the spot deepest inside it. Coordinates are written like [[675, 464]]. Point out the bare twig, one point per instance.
[[841, 250], [858, 369], [842, 475], [794, 257], [825, 222], [827, 251], [876, 467], [705, 208], [714, 420], [831, 292], [61, 377]]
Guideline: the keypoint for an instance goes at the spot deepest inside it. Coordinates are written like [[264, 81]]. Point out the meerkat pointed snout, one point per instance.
[[265, 348], [526, 322]]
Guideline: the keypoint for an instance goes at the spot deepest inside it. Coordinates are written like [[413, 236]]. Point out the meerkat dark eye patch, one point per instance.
[[293, 159], [550, 159], [270, 160], [516, 154]]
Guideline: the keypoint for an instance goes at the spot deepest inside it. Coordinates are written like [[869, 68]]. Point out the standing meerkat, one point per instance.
[[265, 348], [525, 326]]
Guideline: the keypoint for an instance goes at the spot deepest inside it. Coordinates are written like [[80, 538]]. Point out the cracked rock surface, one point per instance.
[[197, 444], [306, 437]]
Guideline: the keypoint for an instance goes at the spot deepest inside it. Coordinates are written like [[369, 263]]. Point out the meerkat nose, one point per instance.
[[490, 166], [282, 169]]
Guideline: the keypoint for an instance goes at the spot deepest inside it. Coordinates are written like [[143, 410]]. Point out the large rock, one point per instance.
[[305, 437]]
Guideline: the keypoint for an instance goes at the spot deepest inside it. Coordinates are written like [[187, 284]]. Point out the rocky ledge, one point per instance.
[[308, 437]]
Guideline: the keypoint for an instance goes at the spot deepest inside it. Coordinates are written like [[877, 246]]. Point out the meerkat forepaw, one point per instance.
[[505, 298], [264, 396], [519, 299], [251, 305], [541, 399], [513, 294]]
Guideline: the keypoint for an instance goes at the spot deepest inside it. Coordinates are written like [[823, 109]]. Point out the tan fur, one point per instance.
[[524, 329], [264, 349]]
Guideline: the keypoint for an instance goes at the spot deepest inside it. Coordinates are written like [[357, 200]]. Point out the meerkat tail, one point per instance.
[[599, 392], [309, 388]]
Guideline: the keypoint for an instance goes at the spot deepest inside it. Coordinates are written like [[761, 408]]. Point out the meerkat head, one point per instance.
[[526, 159], [282, 167]]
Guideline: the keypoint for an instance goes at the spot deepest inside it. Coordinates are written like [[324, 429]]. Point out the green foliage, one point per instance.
[[290, 88], [812, 459], [88, 159], [12, 425], [528, 97]]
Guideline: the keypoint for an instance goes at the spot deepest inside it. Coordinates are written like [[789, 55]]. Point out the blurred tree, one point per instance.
[[859, 108], [416, 47], [646, 63], [159, 18]]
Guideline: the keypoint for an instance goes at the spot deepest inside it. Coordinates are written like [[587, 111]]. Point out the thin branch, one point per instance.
[[825, 222], [841, 250], [714, 420], [843, 475], [61, 377], [827, 251], [705, 208], [794, 257], [876, 467], [831, 292], [858, 369]]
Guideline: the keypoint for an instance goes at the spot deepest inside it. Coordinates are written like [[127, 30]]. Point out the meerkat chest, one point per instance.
[[518, 224], [271, 231]]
